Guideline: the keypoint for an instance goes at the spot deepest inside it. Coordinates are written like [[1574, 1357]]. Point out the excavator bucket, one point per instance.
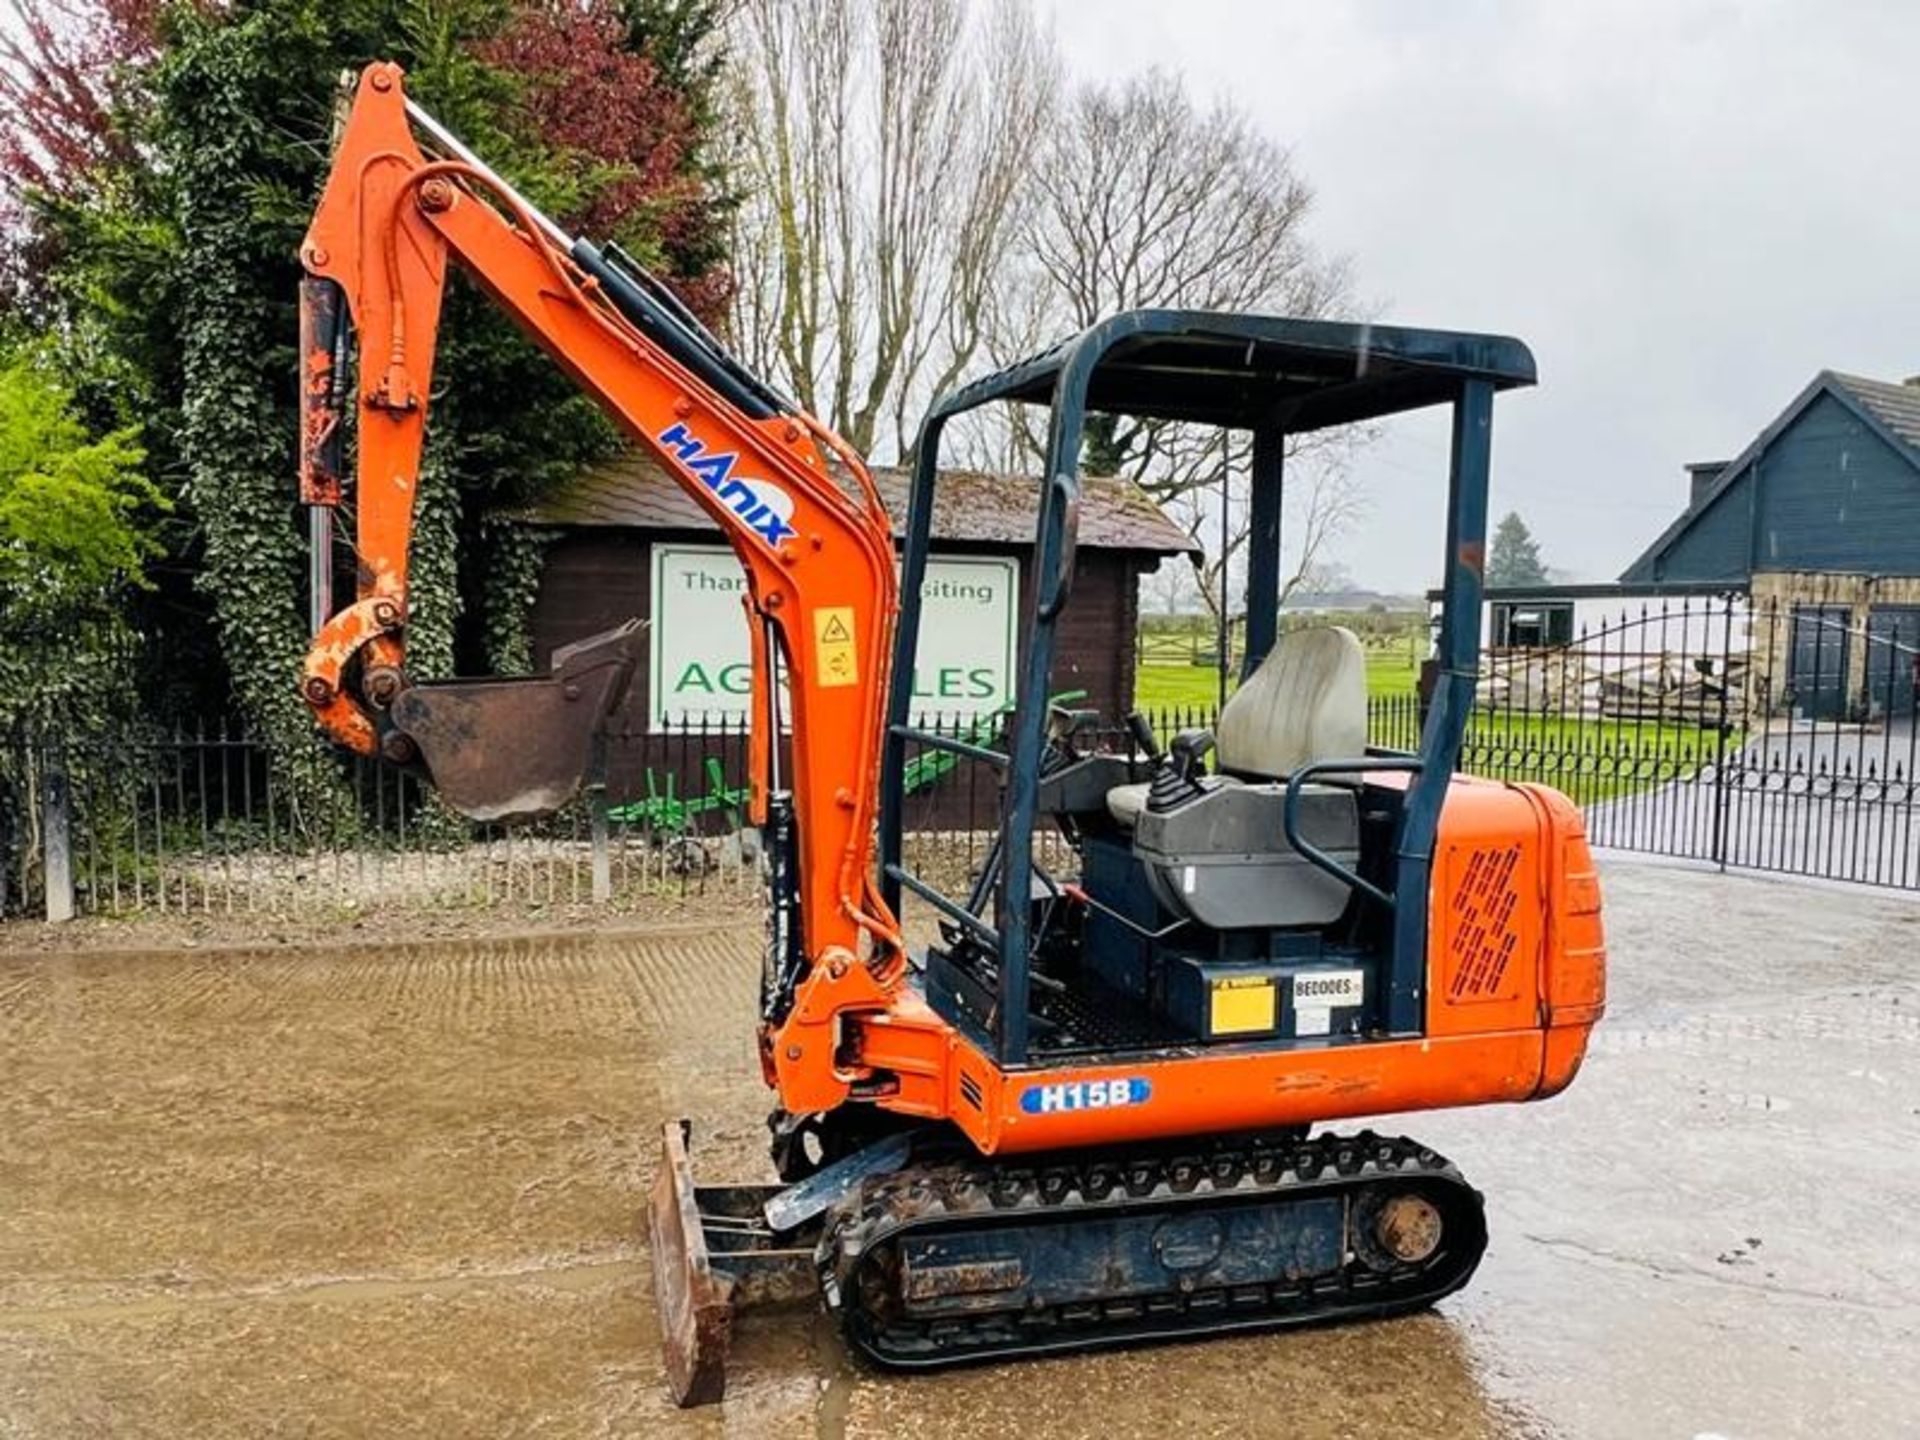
[[518, 748], [714, 1253]]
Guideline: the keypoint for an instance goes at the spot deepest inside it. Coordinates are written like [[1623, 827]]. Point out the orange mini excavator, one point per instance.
[[1080, 1114]]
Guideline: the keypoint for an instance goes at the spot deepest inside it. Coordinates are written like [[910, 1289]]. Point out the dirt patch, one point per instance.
[[394, 1184], [353, 925]]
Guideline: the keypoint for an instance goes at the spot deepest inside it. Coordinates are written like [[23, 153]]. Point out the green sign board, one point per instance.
[[700, 666]]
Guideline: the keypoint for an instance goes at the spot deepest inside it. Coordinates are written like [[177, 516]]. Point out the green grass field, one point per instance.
[[1591, 760], [1391, 671]]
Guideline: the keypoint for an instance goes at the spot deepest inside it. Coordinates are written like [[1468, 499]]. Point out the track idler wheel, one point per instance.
[[1408, 1227]]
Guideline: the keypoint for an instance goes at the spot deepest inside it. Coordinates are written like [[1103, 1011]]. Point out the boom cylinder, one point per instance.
[[323, 390], [324, 357]]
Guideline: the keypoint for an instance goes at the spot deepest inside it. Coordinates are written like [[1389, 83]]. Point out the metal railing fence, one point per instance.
[[1780, 737]]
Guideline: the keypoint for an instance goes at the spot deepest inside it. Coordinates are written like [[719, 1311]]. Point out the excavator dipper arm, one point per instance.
[[816, 548]]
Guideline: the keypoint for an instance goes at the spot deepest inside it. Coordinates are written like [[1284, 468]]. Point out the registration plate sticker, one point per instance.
[[1318, 993]]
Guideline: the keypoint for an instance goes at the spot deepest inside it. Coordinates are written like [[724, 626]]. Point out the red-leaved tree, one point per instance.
[[628, 134], [63, 64], [68, 67], [64, 67]]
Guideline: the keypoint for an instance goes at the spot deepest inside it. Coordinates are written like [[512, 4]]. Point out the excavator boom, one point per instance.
[[795, 503]]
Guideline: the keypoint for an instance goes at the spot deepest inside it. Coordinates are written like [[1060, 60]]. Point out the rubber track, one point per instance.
[[858, 1274]]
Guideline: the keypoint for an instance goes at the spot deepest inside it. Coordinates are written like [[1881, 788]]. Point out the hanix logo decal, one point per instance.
[[764, 506]]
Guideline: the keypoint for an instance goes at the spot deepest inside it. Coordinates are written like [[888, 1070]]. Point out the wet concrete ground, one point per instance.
[[388, 1192]]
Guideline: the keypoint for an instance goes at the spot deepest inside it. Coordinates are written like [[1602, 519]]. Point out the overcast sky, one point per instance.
[[1685, 208]]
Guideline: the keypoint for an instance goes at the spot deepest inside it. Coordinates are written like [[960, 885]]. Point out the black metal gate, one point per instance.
[[1709, 729]]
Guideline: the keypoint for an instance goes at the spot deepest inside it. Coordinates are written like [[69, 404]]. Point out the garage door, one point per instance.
[[1817, 670], [1893, 659]]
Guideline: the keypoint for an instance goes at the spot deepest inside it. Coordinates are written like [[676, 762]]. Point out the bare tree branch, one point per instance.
[[884, 158], [923, 193]]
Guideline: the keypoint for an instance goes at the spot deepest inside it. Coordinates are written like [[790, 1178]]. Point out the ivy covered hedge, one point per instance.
[[160, 266]]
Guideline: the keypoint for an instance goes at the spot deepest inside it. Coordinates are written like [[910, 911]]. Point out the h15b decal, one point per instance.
[[1072, 1095]]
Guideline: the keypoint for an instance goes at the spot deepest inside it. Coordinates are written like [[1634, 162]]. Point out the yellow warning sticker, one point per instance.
[[1242, 1006], [833, 653]]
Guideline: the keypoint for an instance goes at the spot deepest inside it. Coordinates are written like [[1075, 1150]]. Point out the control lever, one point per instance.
[[1177, 774], [1141, 729], [1065, 730], [1190, 751]]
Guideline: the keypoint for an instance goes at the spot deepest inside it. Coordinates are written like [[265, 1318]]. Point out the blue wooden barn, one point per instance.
[[1818, 520]]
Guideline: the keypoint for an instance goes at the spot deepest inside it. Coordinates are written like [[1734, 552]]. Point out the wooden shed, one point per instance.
[[631, 543]]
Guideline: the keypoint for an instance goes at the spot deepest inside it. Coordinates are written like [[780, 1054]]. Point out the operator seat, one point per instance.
[[1306, 702]]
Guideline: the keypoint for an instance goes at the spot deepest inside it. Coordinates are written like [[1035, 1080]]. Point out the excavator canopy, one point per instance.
[[1249, 371]]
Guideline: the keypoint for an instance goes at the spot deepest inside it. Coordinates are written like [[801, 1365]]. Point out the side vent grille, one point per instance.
[[1485, 938], [969, 1089]]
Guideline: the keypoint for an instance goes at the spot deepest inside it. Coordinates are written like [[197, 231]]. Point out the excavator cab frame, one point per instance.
[[1271, 377]]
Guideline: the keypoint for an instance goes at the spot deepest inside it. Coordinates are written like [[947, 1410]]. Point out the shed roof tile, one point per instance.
[[969, 506]]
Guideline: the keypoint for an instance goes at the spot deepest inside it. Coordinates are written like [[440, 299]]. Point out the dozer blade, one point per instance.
[[713, 1252], [518, 748], [695, 1304]]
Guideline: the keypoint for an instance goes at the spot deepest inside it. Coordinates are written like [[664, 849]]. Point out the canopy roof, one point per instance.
[[1243, 370]]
